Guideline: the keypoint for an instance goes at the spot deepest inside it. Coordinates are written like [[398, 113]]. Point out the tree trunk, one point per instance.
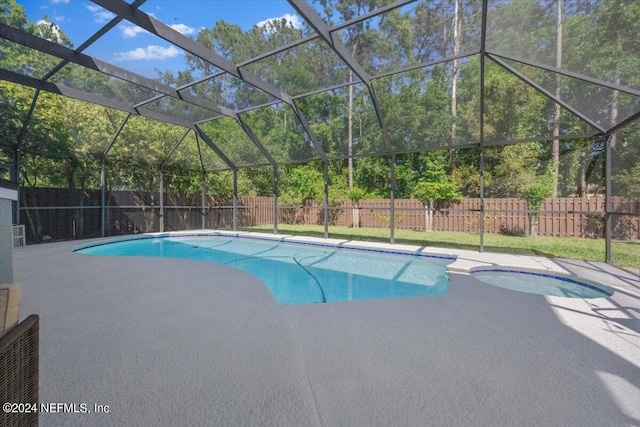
[[77, 199], [582, 184], [457, 30], [533, 225], [34, 224], [355, 213], [613, 116], [350, 121], [428, 215], [557, 110]]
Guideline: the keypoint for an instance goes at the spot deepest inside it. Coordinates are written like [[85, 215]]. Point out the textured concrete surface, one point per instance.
[[177, 342]]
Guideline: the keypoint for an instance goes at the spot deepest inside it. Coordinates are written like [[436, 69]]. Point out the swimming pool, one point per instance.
[[297, 273], [539, 283]]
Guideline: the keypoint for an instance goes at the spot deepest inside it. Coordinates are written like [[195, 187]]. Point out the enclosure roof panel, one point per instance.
[[415, 68]]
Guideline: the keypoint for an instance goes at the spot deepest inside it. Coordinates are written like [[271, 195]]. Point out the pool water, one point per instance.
[[301, 273], [539, 283]]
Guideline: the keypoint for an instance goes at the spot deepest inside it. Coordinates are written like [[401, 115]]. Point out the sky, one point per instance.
[[134, 49]]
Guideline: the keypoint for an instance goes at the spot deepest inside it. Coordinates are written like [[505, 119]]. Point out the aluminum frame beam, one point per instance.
[[68, 55], [28, 40], [608, 218], [483, 56], [115, 137], [215, 148], [568, 73], [624, 123], [37, 43], [173, 149], [545, 92], [112, 23], [50, 48], [199, 154], [336, 27], [27, 120], [318, 25], [167, 33], [424, 64], [58, 89], [255, 139]]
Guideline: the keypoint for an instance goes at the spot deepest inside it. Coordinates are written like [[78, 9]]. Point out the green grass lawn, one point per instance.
[[625, 253]]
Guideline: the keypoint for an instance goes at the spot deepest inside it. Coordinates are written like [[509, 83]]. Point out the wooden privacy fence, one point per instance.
[[73, 214], [560, 217]]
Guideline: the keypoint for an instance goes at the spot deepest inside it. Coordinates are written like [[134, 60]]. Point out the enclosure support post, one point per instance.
[[15, 170], [103, 209], [275, 199], [235, 200], [392, 216], [483, 52], [203, 199], [608, 220], [161, 203], [481, 214], [326, 198]]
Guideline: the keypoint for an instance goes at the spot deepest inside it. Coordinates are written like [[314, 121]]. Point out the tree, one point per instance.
[[301, 185], [355, 194], [535, 193], [557, 109], [628, 182], [435, 186]]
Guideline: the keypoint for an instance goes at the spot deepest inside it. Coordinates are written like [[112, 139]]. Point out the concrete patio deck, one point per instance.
[[177, 342]]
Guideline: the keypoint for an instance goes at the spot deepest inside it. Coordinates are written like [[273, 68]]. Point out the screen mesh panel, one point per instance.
[[417, 105], [414, 34], [516, 110], [301, 69], [280, 131], [101, 84], [229, 137], [328, 116]]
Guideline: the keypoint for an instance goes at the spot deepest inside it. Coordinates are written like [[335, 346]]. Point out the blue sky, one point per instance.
[[134, 49]]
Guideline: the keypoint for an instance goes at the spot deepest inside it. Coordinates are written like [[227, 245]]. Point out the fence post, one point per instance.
[[275, 199], [326, 199], [392, 217], [203, 198], [235, 200], [161, 203]]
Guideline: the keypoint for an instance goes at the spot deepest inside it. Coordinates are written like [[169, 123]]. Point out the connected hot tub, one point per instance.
[[541, 283]]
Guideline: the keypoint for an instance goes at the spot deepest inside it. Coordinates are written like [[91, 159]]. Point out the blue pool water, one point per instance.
[[539, 283], [301, 273]]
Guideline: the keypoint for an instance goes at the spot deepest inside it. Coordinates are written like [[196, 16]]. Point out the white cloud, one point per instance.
[[129, 31], [183, 29], [55, 30], [100, 15], [294, 20], [60, 1], [147, 53]]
